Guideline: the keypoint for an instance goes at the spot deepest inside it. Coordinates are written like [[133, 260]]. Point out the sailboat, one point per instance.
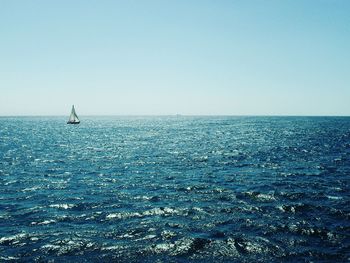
[[73, 118]]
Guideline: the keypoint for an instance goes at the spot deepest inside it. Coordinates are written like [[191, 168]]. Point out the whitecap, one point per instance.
[[161, 211], [123, 215], [13, 239], [265, 197], [30, 189], [62, 206], [65, 246], [166, 234], [112, 248], [9, 258], [181, 246], [334, 197], [116, 215], [147, 237], [160, 248], [166, 211], [127, 235], [50, 247], [285, 208], [46, 222]]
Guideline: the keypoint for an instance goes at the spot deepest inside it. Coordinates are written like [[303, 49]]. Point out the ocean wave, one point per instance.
[[62, 206], [208, 189], [162, 211], [69, 247]]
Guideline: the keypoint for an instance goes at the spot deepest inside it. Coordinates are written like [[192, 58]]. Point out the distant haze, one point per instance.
[[244, 57]]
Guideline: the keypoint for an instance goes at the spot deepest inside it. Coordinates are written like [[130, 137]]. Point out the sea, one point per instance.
[[175, 189]]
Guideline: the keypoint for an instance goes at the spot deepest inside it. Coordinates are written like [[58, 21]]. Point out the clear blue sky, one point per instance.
[[228, 57]]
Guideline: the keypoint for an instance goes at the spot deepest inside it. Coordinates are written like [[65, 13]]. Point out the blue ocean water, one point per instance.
[[175, 189]]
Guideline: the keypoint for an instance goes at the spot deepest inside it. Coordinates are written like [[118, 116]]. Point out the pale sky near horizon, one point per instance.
[[202, 57]]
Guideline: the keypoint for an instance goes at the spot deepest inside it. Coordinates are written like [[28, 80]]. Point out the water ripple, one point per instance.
[[178, 189]]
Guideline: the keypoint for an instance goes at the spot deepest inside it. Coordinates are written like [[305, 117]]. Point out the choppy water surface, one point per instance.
[[175, 189]]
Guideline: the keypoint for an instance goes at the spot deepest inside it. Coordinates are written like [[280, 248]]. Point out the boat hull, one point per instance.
[[73, 122]]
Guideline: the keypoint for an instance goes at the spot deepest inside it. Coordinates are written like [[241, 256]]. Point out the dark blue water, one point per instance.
[[175, 189]]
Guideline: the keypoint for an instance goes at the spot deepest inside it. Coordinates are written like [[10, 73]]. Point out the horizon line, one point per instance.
[[182, 115]]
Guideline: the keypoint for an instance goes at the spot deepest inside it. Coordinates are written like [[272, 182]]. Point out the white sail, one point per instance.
[[73, 118]]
